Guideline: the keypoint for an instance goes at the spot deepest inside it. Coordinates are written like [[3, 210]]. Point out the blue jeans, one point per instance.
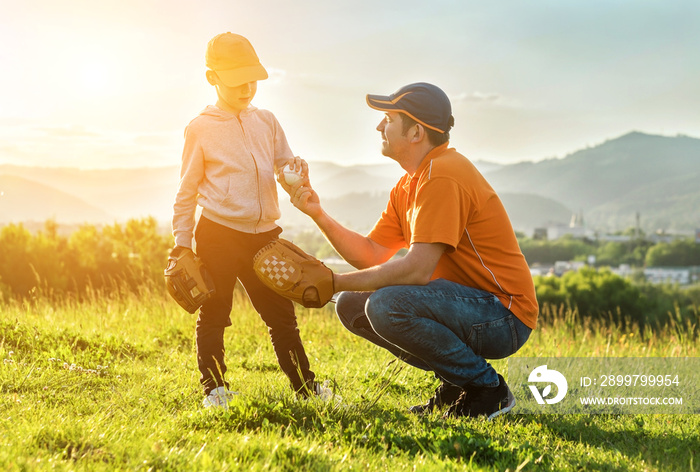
[[443, 327]]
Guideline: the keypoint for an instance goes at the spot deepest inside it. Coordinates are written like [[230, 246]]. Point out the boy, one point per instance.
[[231, 153]]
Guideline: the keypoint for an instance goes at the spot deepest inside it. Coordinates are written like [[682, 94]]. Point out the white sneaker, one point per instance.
[[323, 392], [219, 398]]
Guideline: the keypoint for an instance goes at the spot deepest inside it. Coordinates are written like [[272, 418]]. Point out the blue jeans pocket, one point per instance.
[[495, 339]]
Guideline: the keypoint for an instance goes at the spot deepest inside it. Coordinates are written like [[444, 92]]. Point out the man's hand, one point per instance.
[[306, 199], [358, 250], [301, 194]]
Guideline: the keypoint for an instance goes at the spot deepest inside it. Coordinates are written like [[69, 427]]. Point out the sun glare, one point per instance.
[[96, 79]]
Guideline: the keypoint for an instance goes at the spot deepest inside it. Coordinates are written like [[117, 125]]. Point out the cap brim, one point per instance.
[[242, 75], [381, 103], [385, 103]]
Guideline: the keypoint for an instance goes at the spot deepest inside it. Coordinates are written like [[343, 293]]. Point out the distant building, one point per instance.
[[624, 270], [556, 230], [558, 269], [664, 236], [561, 267], [669, 275], [576, 220], [540, 234], [617, 238]]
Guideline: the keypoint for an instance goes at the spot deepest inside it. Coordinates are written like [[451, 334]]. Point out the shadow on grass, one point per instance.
[[654, 438], [375, 430]]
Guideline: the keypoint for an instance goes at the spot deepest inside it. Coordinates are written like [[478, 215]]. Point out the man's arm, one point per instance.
[[415, 268], [377, 271], [358, 250]]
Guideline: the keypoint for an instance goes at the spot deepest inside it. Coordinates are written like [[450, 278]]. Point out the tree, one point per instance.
[[566, 248], [614, 253], [16, 269], [683, 253], [132, 255]]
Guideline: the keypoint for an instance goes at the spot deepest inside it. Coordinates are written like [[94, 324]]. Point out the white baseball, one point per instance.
[[290, 176]]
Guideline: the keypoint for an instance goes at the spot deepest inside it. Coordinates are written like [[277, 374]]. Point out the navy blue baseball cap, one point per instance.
[[425, 103]]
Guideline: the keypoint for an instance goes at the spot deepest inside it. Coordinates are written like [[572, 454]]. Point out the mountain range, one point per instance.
[[655, 177]]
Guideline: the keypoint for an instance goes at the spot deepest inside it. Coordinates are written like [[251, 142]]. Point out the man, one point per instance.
[[463, 292]]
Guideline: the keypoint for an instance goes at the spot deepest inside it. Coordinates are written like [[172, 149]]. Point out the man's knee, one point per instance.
[[350, 308], [380, 306], [343, 308]]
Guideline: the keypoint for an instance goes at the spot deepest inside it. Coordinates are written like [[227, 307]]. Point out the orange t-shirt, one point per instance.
[[448, 201]]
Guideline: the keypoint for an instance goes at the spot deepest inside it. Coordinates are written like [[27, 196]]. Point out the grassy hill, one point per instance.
[[112, 384]]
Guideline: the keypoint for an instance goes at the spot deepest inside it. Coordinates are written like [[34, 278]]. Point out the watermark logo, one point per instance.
[[605, 385], [542, 374]]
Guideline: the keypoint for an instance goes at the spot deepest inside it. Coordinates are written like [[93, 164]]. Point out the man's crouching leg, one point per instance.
[[350, 308]]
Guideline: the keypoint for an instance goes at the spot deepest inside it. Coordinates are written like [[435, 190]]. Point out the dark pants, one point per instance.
[[228, 255]]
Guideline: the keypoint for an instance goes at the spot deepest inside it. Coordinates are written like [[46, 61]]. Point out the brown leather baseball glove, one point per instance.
[[294, 274], [187, 279]]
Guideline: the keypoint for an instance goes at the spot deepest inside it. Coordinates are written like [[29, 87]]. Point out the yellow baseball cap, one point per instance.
[[233, 59]]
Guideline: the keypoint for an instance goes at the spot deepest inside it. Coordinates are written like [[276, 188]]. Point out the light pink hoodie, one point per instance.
[[228, 168]]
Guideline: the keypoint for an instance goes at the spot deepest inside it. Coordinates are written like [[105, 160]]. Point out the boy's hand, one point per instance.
[[297, 165], [178, 250], [187, 280]]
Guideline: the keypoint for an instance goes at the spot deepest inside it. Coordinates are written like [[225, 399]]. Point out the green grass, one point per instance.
[[112, 384]]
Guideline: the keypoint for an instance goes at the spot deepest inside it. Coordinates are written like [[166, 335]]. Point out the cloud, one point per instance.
[[77, 146], [159, 140], [67, 132], [312, 84], [276, 76], [477, 97], [490, 99]]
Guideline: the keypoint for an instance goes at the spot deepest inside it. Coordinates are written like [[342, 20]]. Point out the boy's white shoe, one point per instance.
[[324, 392], [219, 398]]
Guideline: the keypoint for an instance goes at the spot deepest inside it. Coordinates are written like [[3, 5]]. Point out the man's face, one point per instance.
[[394, 141], [235, 99]]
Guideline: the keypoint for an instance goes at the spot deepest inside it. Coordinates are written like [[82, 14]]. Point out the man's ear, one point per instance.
[[211, 77], [418, 133]]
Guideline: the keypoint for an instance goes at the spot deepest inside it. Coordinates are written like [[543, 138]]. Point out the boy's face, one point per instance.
[[233, 99]]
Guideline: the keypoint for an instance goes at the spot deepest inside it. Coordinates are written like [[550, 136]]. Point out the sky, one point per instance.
[[113, 83]]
